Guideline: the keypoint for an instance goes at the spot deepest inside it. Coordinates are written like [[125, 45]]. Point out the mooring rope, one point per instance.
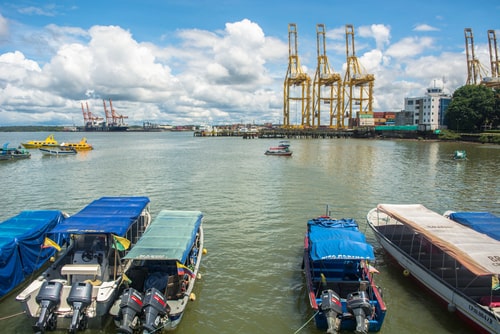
[[304, 325], [11, 316]]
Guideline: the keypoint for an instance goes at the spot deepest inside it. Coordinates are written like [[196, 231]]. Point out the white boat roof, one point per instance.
[[476, 251]]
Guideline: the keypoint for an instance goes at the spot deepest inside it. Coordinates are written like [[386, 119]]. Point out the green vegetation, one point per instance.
[[473, 108], [448, 135], [31, 128]]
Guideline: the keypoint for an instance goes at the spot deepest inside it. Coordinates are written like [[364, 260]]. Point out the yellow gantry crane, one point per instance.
[[474, 68], [326, 86], [357, 86], [296, 78], [494, 81]]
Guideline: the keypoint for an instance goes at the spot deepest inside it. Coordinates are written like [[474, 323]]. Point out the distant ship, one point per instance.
[[114, 121]]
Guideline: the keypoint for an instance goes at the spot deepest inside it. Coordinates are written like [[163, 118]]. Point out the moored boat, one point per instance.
[[82, 145], [283, 149], [340, 283], [49, 141], [22, 251], [162, 269], [12, 153], [58, 150], [458, 264], [78, 289]]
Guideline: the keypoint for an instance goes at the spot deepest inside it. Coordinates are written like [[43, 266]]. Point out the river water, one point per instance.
[[256, 208]]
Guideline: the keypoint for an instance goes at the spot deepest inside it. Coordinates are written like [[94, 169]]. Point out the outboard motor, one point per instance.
[[49, 298], [154, 309], [332, 307], [358, 304], [130, 311], [80, 297]]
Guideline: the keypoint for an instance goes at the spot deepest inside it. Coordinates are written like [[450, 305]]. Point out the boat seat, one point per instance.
[[81, 272]]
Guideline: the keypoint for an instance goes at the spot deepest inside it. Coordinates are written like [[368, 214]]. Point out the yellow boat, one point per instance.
[[49, 141], [81, 146]]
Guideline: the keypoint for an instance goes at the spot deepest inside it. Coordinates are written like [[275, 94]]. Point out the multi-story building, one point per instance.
[[428, 111]]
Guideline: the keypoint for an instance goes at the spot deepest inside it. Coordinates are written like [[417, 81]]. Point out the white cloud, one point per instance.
[[410, 47], [425, 27], [4, 28]]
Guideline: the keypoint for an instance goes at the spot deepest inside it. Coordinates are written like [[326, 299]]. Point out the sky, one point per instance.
[[182, 62]]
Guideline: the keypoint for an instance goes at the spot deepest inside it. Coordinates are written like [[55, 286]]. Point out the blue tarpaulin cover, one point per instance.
[[331, 239], [484, 222], [21, 240], [170, 236], [105, 215]]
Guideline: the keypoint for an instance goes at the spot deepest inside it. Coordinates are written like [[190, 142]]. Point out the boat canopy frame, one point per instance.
[[477, 252]]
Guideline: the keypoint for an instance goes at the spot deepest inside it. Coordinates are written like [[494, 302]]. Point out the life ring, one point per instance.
[[406, 272]]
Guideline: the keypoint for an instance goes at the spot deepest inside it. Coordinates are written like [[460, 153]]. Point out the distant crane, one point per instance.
[[89, 119], [474, 68], [117, 118], [296, 77], [327, 82], [494, 81], [357, 86]]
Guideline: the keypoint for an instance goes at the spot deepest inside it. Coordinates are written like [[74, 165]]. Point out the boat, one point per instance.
[[339, 278], [79, 288], [283, 149], [457, 264], [82, 145], [162, 270], [483, 222], [12, 153], [22, 238], [460, 155], [49, 141], [58, 150]]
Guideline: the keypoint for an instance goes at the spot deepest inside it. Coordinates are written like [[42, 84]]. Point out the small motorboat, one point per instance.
[[161, 272], [58, 150], [49, 141], [12, 153], [339, 278], [460, 155], [283, 149], [80, 146]]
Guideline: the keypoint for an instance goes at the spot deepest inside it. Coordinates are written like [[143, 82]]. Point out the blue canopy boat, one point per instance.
[[162, 269], [21, 241], [339, 278], [78, 290]]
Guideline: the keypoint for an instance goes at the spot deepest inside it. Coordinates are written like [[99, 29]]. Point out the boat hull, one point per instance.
[[477, 316]]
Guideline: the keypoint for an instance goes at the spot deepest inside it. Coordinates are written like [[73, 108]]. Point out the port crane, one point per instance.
[[327, 88], [89, 119], [494, 81], [296, 77], [357, 86], [112, 117], [474, 68]]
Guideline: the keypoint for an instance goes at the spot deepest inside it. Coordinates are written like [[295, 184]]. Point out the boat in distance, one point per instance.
[[82, 145], [13, 153], [58, 151], [49, 141], [283, 149], [457, 264], [22, 241], [78, 289], [339, 278], [162, 269]]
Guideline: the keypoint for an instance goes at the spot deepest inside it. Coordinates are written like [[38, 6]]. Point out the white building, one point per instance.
[[428, 111]]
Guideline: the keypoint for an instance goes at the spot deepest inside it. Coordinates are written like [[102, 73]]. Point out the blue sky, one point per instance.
[[192, 62]]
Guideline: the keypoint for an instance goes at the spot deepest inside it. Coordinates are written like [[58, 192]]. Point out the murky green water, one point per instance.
[[256, 208]]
